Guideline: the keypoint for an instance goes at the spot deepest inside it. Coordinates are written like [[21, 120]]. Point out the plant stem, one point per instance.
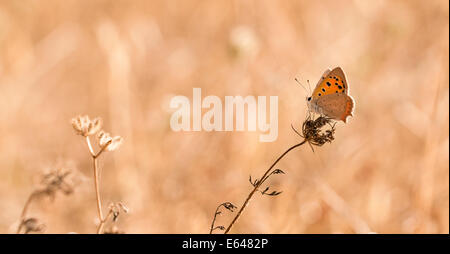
[[102, 223], [258, 184], [91, 150], [97, 194], [96, 181], [25, 209], [214, 220]]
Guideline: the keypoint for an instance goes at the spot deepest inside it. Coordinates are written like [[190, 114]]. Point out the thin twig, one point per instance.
[[102, 223], [97, 191], [259, 183], [52, 182], [227, 205], [91, 150], [214, 219], [25, 208], [96, 182]]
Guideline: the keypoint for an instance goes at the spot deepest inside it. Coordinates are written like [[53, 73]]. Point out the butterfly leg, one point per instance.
[[311, 114], [317, 114]]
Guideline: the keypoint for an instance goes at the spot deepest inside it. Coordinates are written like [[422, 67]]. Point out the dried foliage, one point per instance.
[[85, 127], [227, 205], [53, 182], [313, 133]]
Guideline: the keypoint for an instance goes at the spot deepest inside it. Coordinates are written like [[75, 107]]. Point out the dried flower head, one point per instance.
[[32, 225], [117, 208], [57, 180], [313, 133], [86, 127], [107, 142]]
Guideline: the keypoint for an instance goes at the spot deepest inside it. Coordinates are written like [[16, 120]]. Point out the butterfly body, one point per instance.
[[330, 97]]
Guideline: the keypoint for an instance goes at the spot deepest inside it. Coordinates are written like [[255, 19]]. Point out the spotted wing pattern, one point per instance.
[[331, 82]]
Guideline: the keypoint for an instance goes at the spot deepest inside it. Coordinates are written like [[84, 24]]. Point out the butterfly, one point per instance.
[[330, 97]]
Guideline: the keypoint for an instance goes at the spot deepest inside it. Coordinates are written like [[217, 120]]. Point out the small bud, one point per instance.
[[229, 206], [115, 143], [107, 142], [278, 171]]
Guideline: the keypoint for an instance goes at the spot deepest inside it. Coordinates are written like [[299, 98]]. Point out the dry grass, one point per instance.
[[386, 171]]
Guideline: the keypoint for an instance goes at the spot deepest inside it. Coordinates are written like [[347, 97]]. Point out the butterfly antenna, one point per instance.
[[309, 86], [306, 90]]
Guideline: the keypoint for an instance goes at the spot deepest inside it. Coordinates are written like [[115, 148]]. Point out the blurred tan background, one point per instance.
[[386, 172]]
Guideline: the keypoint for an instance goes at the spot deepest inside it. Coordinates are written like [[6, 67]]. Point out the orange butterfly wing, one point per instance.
[[331, 82]]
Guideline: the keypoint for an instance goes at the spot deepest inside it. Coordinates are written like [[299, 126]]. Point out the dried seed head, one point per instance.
[[32, 225], [107, 142], [104, 138], [123, 207], [60, 179], [86, 127], [229, 206], [313, 133], [116, 209], [115, 143]]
